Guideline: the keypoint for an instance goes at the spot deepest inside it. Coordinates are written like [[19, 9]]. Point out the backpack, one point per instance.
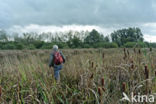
[[58, 58]]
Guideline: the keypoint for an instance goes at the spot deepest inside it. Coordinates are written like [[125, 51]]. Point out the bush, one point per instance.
[[105, 45], [110, 45], [20, 46], [1, 46], [98, 45], [9, 46], [50, 45], [130, 44], [152, 45], [47, 46], [62, 45], [86, 46], [31, 46], [135, 44], [38, 44]]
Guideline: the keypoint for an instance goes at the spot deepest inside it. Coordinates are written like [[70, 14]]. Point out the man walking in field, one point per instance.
[[56, 61]]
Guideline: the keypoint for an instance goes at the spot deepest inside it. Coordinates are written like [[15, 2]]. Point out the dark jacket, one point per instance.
[[51, 61]]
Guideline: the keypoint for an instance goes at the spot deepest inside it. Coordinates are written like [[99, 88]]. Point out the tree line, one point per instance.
[[127, 37]]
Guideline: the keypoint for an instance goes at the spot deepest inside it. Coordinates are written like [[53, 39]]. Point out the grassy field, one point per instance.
[[89, 76]]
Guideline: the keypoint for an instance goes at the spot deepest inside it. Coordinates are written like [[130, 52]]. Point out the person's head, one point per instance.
[[55, 48]]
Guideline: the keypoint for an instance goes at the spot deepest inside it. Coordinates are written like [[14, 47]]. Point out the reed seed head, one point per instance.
[[134, 50], [0, 91], [99, 91], [103, 89], [150, 49], [124, 50], [102, 81], [132, 65], [92, 64], [92, 75], [123, 86], [103, 55], [146, 72], [127, 52], [139, 51]]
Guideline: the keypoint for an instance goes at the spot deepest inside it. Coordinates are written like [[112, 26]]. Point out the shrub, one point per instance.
[[152, 45], [130, 44], [105, 45], [38, 44], [62, 45], [9, 46], [110, 45], [47, 46], [20, 46], [135, 44], [31, 46], [86, 46]]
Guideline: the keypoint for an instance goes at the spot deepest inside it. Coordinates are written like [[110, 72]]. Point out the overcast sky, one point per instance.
[[63, 15]]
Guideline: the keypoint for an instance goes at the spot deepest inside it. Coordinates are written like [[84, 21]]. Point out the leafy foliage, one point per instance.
[[130, 37], [127, 35]]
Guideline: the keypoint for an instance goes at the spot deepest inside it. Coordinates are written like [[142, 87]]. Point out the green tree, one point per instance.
[[93, 37], [127, 35], [106, 39], [3, 36], [74, 42], [19, 46]]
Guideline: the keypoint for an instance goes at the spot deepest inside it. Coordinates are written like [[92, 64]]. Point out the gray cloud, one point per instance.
[[84, 12], [105, 15]]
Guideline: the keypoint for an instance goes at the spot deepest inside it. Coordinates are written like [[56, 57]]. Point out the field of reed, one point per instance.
[[89, 76]]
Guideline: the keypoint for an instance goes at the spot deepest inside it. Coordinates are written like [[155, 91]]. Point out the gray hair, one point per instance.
[[55, 47]]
